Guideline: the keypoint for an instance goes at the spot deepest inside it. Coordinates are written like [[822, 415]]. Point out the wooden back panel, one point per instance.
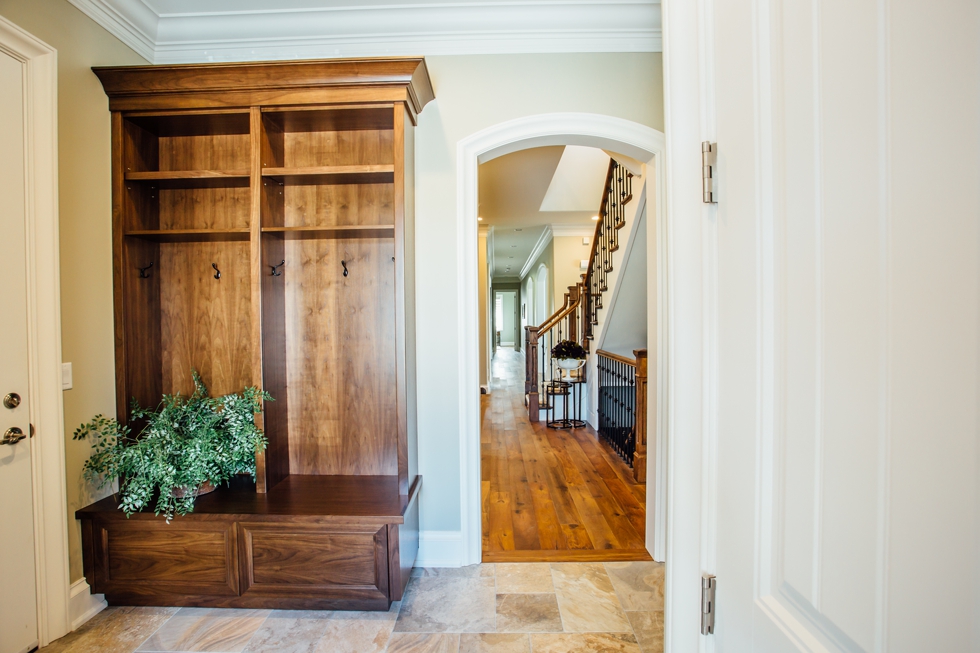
[[340, 348], [206, 323]]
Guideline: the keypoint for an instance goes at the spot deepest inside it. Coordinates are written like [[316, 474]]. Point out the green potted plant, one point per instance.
[[570, 356], [188, 446]]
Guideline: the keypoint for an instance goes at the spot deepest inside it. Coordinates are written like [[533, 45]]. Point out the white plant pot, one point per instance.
[[567, 365]]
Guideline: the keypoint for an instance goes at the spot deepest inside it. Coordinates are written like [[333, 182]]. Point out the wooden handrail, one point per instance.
[[617, 357], [565, 311]]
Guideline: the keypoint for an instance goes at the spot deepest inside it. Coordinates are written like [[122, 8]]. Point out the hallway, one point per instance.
[[551, 495]]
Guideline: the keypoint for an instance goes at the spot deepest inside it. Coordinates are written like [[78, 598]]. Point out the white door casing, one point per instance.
[[640, 142], [825, 316], [18, 601], [43, 315]]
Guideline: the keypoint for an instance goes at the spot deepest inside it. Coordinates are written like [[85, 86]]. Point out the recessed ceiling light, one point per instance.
[[481, 219], [595, 217]]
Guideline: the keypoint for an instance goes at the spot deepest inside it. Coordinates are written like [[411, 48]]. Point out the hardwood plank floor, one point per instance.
[[551, 495]]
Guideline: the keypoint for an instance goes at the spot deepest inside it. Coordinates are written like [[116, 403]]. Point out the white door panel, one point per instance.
[[18, 599], [848, 314]]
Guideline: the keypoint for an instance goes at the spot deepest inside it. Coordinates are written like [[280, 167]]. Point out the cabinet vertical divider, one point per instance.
[[255, 252]]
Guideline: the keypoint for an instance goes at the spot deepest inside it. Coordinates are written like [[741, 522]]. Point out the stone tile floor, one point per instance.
[[488, 608]]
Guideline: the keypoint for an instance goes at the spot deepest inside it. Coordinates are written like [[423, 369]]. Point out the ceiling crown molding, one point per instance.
[[539, 246], [359, 30]]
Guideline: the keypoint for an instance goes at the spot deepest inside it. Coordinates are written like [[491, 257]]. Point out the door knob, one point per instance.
[[13, 435], [12, 400]]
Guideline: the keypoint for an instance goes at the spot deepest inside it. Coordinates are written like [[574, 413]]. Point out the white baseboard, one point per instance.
[[82, 604], [440, 549]]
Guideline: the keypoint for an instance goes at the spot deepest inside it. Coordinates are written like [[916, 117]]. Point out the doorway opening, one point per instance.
[[549, 494]]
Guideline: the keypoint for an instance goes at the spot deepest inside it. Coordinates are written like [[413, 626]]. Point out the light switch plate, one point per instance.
[[66, 376]]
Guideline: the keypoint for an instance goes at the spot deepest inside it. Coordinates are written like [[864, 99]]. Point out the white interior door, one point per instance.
[[842, 455], [18, 603]]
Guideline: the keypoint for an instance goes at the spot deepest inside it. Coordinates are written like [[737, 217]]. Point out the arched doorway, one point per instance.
[[625, 137]]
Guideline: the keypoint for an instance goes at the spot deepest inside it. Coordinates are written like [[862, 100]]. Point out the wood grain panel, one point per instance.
[[337, 148], [205, 152], [287, 555], [206, 322], [142, 330], [339, 204], [340, 357], [203, 208], [194, 557]]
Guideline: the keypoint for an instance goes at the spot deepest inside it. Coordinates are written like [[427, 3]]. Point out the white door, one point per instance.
[[843, 458], [18, 605]]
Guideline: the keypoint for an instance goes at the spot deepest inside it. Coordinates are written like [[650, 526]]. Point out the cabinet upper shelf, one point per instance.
[[356, 174], [360, 174]]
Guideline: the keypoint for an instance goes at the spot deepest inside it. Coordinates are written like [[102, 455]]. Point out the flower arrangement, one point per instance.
[[187, 443], [568, 349]]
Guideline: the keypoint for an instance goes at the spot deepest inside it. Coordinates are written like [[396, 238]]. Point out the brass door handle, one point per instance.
[[13, 435]]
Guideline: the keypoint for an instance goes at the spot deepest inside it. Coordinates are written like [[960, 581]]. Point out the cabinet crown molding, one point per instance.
[[247, 84]]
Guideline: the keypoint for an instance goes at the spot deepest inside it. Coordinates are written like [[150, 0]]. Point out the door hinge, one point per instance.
[[707, 604], [709, 154]]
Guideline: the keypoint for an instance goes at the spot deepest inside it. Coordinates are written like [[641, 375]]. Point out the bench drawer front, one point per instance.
[[315, 562], [153, 558]]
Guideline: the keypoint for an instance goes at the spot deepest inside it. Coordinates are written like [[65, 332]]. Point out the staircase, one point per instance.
[[576, 320]]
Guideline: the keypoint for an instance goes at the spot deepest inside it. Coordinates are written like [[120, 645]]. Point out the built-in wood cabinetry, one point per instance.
[[263, 221]]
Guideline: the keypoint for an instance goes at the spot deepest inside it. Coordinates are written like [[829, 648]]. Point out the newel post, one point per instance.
[[531, 371], [640, 415]]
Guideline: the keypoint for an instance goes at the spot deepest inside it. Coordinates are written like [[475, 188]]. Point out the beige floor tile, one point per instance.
[[587, 600], [494, 643], [528, 613], [448, 605], [584, 643], [470, 571], [423, 643], [639, 585], [114, 630], [358, 632], [649, 630], [524, 577], [205, 629], [289, 631]]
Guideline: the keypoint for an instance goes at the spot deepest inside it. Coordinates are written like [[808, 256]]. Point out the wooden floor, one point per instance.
[[551, 495]]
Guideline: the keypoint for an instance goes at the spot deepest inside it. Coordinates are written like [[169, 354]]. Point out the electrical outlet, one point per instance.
[[66, 383]]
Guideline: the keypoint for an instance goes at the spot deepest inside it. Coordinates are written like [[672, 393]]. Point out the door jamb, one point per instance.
[[40, 63]]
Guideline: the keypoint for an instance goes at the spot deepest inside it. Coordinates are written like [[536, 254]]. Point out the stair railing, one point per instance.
[[623, 407], [578, 315], [540, 368]]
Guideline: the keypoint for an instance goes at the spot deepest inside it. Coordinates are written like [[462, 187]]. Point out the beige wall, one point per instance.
[[472, 93], [568, 254], [86, 220]]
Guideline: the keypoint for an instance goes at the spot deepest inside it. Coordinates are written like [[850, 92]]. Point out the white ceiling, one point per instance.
[[185, 31], [512, 188]]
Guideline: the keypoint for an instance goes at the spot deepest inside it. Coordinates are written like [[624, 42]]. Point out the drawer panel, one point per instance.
[[314, 561], [153, 557]]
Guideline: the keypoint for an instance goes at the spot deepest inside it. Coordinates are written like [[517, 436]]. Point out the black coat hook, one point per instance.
[[276, 272], [217, 272], [344, 263], [143, 274]]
